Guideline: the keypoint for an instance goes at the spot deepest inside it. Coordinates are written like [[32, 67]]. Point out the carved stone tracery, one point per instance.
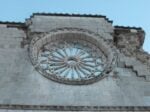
[[71, 56]]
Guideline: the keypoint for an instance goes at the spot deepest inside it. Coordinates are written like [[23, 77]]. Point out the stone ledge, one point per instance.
[[9, 24], [74, 108], [129, 28], [72, 15]]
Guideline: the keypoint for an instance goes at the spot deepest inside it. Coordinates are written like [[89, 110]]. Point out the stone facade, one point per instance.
[[123, 87]]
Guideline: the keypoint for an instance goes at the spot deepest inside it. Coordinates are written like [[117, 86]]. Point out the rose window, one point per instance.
[[72, 61], [69, 60]]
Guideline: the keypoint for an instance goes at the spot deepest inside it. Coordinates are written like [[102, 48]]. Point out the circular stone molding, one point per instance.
[[71, 56]]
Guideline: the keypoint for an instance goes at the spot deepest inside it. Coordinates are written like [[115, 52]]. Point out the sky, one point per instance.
[[122, 12]]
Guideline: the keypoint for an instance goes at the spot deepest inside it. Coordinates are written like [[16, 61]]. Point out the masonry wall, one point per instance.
[[46, 23], [21, 84]]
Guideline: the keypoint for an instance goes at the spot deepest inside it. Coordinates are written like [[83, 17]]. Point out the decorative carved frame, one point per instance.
[[92, 37]]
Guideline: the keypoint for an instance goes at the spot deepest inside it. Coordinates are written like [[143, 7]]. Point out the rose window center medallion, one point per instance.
[[69, 60]]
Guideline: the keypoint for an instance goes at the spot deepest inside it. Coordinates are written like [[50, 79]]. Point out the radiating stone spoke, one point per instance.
[[78, 73], [89, 65], [64, 50], [84, 73], [87, 61], [86, 57], [87, 69], [67, 73], [56, 57], [58, 52], [77, 50], [55, 60], [71, 60], [59, 67], [62, 71], [57, 64], [81, 53]]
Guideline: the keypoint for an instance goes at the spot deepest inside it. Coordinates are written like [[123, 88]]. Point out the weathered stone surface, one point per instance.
[[125, 86], [47, 23]]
